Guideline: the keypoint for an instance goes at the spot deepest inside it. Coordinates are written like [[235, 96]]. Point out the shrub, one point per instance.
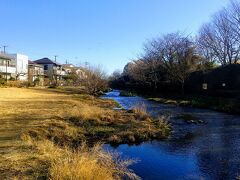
[[2, 82], [18, 84], [36, 81], [12, 79], [52, 85]]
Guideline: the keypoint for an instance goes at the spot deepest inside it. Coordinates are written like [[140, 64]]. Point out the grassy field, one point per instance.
[[55, 133]]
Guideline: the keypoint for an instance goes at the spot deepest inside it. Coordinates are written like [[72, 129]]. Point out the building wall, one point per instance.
[[49, 71], [8, 67], [21, 66], [36, 72], [11, 70], [53, 70]]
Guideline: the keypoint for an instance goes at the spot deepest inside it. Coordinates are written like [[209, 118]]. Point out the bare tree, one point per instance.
[[73, 79], [219, 40], [234, 16], [116, 74], [115, 79], [135, 71], [176, 53], [95, 81]]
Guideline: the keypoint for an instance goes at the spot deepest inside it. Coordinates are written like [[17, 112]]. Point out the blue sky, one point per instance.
[[103, 32]]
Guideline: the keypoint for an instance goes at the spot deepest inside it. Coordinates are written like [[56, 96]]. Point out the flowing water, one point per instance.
[[209, 150]]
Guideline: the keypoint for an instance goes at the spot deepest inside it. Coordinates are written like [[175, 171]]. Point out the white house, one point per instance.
[[14, 66], [21, 66]]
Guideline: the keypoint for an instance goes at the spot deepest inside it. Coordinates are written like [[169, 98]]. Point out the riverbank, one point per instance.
[[221, 104], [55, 133]]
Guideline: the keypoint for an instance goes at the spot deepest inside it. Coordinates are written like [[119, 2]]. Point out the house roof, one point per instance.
[[46, 61], [31, 62], [5, 56]]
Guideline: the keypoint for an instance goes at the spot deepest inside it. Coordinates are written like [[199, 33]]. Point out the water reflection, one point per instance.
[[204, 151]]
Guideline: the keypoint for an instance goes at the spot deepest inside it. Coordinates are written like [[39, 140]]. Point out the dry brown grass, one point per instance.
[[83, 163], [90, 164], [86, 112], [140, 111], [18, 84], [53, 123], [45, 160], [42, 114]]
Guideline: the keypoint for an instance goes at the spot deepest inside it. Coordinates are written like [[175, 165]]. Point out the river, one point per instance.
[[210, 150]]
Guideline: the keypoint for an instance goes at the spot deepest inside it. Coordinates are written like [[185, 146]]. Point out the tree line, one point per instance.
[[168, 60]]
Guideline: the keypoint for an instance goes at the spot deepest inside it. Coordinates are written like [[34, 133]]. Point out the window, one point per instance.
[[45, 67], [1, 62]]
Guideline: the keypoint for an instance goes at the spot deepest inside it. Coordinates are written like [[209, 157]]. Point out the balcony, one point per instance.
[[36, 72], [9, 69]]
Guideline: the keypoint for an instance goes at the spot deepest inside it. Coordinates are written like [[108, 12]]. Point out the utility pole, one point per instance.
[[56, 76], [4, 48], [55, 58], [6, 69]]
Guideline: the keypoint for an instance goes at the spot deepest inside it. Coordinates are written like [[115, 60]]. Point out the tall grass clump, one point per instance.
[[89, 164], [163, 126], [86, 112], [83, 163], [140, 112]]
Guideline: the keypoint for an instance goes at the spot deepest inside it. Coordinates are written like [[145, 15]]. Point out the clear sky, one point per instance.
[[103, 32]]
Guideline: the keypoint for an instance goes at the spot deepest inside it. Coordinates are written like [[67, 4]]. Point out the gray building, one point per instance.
[[52, 70]]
